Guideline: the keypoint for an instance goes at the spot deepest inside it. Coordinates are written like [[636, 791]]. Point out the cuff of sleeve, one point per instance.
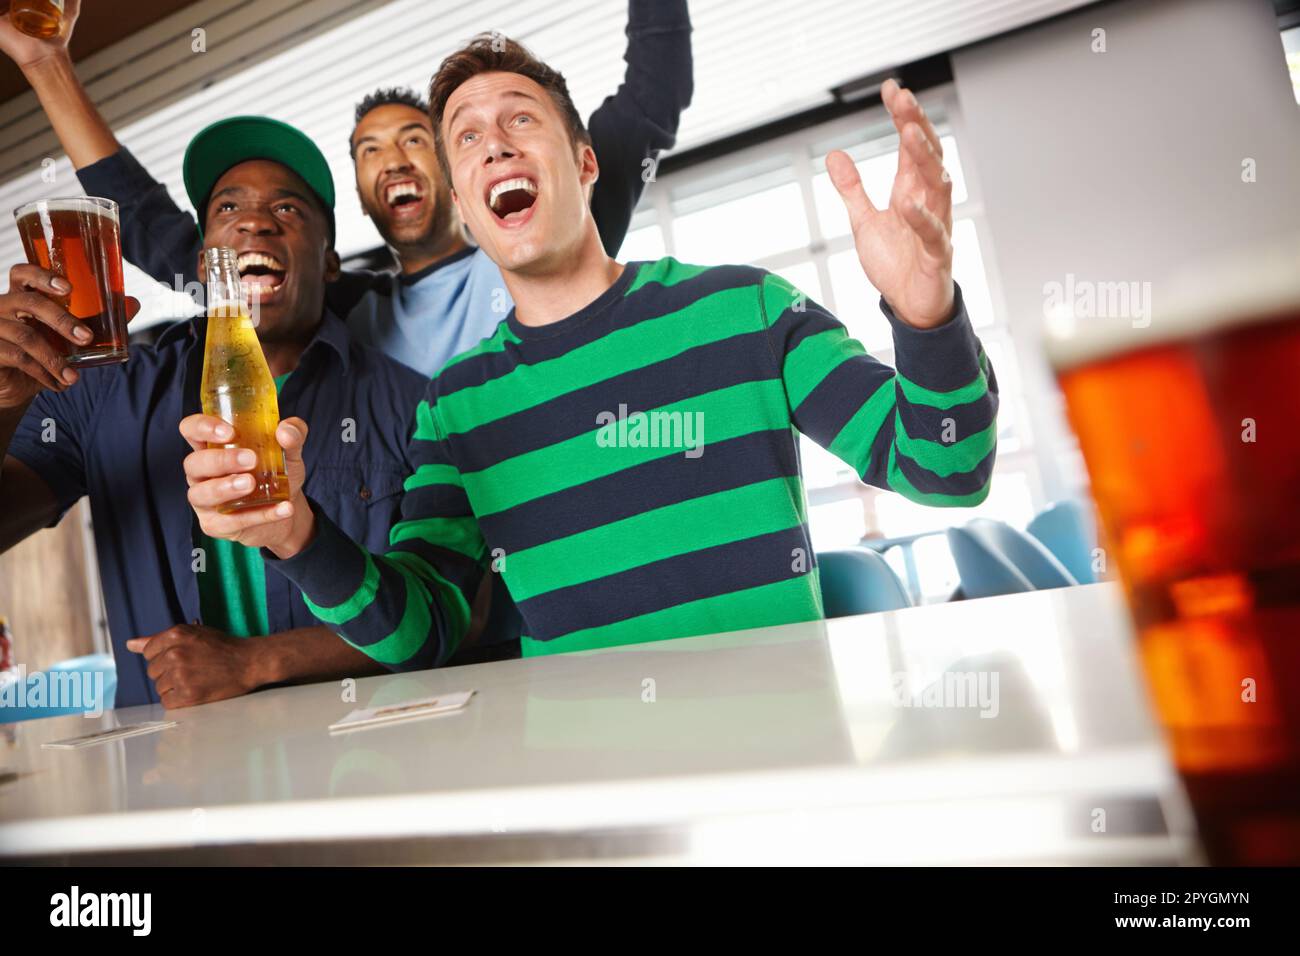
[[115, 175], [329, 570], [943, 358]]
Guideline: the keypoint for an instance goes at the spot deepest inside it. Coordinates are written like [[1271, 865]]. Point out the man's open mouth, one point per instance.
[[260, 273], [511, 199], [403, 197]]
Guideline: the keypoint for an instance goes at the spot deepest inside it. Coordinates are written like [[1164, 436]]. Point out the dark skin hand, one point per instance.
[[29, 364], [192, 664]]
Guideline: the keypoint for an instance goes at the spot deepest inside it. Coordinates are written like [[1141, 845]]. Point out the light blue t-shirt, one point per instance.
[[427, 318]]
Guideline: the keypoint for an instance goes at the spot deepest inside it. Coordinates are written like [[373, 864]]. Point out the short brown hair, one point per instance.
[[494, 53]]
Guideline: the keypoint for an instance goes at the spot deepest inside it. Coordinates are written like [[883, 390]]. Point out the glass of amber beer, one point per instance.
[[1190, 428], [79, 239], [38, 18]]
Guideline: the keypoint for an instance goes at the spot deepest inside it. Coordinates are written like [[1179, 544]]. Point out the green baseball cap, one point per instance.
[[229, 142]]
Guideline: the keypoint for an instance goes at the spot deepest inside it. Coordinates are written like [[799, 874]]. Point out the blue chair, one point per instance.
[[92, 664], [1067, 530], [859, 581], [994, 558]]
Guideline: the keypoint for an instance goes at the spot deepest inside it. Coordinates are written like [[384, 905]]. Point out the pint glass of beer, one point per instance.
[[1190, 428], [79, 239]]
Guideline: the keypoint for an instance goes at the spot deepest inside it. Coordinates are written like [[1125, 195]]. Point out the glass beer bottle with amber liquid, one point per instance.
[[237, 384]]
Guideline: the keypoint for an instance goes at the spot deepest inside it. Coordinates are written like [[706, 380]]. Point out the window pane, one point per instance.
[[1291, 44], [936, 573], [968, 270], [952, 163], [1009, 500], [646, 243], [878, 178], [935, 568], [743, 229], [1012, 423], [857, 303], [836, 525], [820, 468], [803, 276]]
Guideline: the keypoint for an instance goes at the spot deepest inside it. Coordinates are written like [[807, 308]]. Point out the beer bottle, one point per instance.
[[237, 384], [37, 18]]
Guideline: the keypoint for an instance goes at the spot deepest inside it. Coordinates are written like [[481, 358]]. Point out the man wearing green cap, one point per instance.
[[182, 607]]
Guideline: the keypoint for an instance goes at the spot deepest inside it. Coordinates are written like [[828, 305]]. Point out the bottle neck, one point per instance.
[[225, 294]]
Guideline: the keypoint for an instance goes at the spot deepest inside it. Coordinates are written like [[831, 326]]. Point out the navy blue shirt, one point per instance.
[[113, 437]]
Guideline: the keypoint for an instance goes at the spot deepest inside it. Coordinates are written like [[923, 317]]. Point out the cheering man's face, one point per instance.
[[398, 178], [519, 181], [280, 232]]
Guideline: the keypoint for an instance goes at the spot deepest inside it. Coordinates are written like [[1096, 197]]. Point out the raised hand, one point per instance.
[[220, 475], [28, 361], [26, 51], [905, 249]]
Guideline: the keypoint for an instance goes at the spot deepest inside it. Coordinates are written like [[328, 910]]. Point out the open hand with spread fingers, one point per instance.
[[906, 248]]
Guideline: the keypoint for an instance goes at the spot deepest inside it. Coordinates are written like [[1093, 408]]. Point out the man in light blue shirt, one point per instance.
[[448, 295]]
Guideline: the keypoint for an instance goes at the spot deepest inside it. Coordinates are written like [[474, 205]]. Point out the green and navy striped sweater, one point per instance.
[[632, 471]]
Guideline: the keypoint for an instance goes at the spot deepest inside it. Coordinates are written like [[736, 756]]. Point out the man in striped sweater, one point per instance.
[[622, 449]]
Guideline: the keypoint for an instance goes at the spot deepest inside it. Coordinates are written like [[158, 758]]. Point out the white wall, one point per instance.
[[1119, 166]]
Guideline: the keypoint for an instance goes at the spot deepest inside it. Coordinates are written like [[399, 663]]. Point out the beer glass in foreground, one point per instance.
[[1191, 433], [237, 384], [78, 238]]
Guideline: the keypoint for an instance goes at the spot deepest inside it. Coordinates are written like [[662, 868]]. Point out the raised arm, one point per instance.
[[157, 236], [85, 137], [630, 128], [928, 428], [408, 608]]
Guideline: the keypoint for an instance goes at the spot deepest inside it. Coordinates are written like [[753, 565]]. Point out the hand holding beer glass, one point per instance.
[[1191, 433], [66, 308], [78, 240]]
